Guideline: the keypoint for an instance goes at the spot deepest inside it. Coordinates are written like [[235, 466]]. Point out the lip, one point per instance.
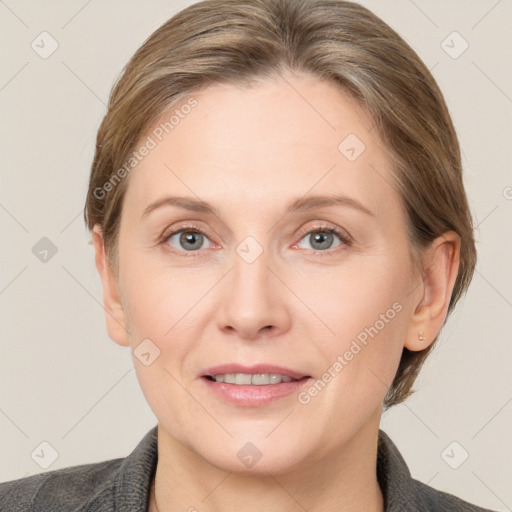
[[257, 368], [253, 396]]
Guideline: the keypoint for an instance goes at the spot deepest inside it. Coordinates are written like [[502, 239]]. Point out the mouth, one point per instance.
[[255, 375], [254, 379], [253, 386]]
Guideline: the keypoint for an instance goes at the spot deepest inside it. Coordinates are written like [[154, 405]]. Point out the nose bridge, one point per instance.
[[251, 286], [252, 302]]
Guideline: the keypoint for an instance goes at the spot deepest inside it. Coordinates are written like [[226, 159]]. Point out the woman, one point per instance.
[[307, 156]]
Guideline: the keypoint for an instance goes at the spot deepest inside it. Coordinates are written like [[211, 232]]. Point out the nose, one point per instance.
[[254, 300]]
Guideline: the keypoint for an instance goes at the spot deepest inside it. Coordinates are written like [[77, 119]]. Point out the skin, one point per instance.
[[250, 152]]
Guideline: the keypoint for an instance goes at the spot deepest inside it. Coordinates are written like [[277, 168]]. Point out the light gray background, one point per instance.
[[63, 381]]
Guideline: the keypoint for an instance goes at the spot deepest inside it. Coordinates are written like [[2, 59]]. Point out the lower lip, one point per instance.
[[254, 396]]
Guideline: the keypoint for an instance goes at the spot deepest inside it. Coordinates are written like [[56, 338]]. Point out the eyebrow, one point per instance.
[[298, 205]]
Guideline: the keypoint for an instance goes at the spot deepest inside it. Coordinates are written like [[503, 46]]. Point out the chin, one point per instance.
[[242, 456]]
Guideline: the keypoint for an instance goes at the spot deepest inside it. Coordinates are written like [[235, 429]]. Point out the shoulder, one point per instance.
[[433, 499], [104, 486], [403, 493], [61, 489]]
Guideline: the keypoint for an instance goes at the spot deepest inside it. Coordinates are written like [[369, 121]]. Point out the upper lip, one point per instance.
[[254, 369]]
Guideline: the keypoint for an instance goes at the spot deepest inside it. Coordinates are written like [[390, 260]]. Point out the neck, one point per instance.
[[347, 481]]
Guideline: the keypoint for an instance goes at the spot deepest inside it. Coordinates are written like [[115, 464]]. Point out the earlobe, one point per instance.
[[114, 312], [441, 263]]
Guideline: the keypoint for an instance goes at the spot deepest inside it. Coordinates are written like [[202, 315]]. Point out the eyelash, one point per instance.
[[344, 238]]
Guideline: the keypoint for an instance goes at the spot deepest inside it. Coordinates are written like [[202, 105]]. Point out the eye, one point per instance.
[[321, 238], [186, 239], [190, 239]]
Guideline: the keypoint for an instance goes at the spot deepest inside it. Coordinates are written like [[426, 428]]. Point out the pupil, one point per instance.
[[190, 237], [323, 237]]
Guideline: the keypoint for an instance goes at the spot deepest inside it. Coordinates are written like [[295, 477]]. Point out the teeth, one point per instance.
[[242, 378], [257, 379]]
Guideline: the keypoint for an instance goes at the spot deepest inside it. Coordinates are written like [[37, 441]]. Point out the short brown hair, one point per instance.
[[238, 42]]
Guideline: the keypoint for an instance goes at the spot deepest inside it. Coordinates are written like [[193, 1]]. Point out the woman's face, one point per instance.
[[251, 283]]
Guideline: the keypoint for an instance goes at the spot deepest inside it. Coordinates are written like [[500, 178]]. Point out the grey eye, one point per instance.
[[188, 240], [320, 240]]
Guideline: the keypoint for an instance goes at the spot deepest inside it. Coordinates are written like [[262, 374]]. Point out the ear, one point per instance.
[[114, 313], [441, 265]]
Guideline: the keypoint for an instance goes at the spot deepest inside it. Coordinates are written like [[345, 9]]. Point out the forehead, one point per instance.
[[264, 145]]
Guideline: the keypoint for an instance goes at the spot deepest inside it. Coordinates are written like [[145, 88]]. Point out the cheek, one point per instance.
[[161, 307], [364, 309], [359, 293], [157, 297], [166, 306]]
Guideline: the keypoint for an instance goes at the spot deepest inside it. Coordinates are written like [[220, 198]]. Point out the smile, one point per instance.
[[248, 379]]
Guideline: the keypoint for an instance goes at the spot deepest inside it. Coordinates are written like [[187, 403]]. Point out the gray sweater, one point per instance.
[[122, 485]]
